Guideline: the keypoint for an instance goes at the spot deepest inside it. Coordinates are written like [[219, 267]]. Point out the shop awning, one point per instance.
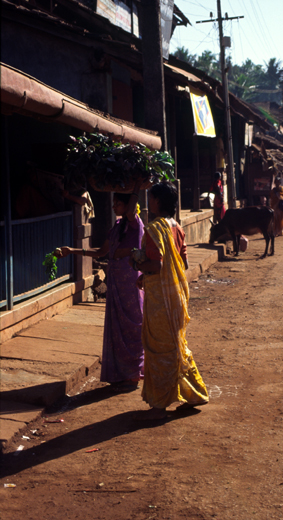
[[212, 87], [23, 94], [181, 72]]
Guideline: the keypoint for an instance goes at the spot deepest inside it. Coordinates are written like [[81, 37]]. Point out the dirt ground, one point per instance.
[[221, 461]]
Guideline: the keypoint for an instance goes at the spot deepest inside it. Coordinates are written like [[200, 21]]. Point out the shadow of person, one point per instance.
[[93, 434], [235, 259], [83, 399]]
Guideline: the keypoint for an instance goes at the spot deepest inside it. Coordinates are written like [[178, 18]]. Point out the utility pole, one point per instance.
[[228, 133], [231, 177]]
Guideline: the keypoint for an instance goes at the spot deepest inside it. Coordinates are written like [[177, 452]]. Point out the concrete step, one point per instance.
[[45, 361]]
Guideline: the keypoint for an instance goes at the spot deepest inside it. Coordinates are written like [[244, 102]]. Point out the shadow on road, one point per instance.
[[93, 434]]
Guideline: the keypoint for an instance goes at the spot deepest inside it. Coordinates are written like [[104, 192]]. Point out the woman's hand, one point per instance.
[[64, 251], [133, 263]]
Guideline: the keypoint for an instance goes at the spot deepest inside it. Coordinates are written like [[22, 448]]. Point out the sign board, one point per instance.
[[123, 16], [107, 8], [120, 14], [136, 30], [203, 120], [166, 15]]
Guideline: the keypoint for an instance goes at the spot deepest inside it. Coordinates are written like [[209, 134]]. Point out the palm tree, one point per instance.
[[184, 55], [209, 64]]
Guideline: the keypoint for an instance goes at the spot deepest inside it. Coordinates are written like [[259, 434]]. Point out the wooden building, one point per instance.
[[69, 67]]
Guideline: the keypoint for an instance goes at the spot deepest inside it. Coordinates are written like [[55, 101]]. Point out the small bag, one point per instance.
[[243, 243]]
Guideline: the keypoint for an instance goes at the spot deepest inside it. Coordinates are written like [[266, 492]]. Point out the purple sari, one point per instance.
[[122, 357]]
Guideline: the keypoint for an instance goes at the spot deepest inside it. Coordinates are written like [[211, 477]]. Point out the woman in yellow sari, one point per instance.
[[170, 373]]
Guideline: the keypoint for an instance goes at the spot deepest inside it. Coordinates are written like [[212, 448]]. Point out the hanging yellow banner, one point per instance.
[[203, 120]]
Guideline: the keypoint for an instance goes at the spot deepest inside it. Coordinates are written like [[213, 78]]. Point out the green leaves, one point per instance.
[[114, 163], [50, 266]]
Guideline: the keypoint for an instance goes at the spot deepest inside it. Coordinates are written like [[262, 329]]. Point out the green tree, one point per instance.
[[271, 80], [247, 81], [184, 55], [273, 68], [208, 62], [244, 79]]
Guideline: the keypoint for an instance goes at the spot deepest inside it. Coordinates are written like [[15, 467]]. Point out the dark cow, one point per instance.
[[246, 221]]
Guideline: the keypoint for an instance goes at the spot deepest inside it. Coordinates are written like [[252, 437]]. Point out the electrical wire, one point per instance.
[[206, 37], [257, 31], [180, 41], [248, 40], [254, 27], [270, 35], [261, 28], [232, 44], [233, 12], [239, 33], [202, 41], [198, 4]]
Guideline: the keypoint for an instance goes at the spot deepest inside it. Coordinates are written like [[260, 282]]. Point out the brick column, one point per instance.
[[82, 264]]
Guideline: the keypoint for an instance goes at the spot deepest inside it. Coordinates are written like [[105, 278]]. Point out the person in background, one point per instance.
[[122, 356], [170, 373], [276, 202], [220, 153], [217, 189]]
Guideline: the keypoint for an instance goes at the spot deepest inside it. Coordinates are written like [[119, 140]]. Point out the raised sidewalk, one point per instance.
[[45, 361]]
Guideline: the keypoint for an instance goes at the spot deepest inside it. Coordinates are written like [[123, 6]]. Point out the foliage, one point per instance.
[[268, 116], [113, 163], [255, 83], [50, 266], [183, 54], [208, 62], [250, 82]]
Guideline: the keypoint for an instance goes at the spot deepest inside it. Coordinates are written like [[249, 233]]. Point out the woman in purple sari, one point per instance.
[[122, 357]]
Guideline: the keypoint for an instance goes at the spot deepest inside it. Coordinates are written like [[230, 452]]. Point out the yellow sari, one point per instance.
[[170, 373]]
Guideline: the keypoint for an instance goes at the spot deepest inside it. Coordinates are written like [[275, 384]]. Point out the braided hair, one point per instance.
[[125, 198]]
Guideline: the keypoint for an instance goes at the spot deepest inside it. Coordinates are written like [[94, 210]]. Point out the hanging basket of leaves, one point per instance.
[[110, 166]]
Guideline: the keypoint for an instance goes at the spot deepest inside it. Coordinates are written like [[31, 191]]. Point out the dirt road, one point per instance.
[[222, 461]]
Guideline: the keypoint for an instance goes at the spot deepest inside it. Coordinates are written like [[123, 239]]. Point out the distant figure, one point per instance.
[[276, 202], [220, 153], [217, 189]]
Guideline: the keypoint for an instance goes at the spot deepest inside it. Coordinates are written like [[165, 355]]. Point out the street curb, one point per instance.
[[211, 255], [201, 257], [11, 425]]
